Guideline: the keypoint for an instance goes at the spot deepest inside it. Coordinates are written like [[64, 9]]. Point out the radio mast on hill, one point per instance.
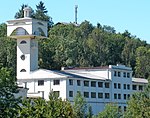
[[76, 12]]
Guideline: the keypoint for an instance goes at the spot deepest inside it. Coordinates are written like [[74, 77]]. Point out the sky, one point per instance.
[[131, 15]]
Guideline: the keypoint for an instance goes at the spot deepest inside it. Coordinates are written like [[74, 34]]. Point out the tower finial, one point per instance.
[[76, 12], [27, 12]]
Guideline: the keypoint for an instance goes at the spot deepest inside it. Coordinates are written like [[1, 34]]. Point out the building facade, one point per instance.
[[99, 85]]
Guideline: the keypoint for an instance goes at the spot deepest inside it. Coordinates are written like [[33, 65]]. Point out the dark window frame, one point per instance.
[[93, 94], [40, 82], [70, 81], [93, 83], [78, 82], [86, 83], [56, 82], [70, 93]]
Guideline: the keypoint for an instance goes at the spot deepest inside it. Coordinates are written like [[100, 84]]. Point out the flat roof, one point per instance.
[[140, 80]]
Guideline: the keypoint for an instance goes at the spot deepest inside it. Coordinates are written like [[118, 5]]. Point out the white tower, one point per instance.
[[26, 31]]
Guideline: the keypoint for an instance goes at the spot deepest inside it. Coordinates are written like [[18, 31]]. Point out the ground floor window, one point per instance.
[[70, 93]]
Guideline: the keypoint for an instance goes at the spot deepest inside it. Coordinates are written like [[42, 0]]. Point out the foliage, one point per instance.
[[8, 103], [40, 13], [39, 108], [8, 54], [20, 13], [142, 68], [139, 104], [79, 106], [111, 111]]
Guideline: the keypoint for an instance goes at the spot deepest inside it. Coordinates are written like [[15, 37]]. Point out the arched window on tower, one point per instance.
[[19, 31], [39, 32], [23, 42], [23, 70]]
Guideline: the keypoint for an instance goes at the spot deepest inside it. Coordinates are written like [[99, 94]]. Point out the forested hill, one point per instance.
[[83, 46]]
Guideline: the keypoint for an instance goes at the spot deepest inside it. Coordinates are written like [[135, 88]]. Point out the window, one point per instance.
[[128, 75], [23, 42], [106, 85], [128, 96], [141, 87], [56, 82], [40, 82], [125, 108], [119, 96], [100, 84], [119, 108], [115, 73], [23, 70], [70, 82], [128, 87], [19, 31], [22, 57], [106, 95], [93, 94], [86, 94], [115, 85], [134, 87], [124, 74], [70, 93], [115, 96], [100, 95], [125, 96], [119, 74], [124, 86], [93, 84], [78, 83], [119, 86], [86, 83], [56, 93]]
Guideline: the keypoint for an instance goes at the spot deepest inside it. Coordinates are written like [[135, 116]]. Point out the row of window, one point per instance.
[[93, 95], [87, 83], [118, 96], [93, 84], [121, 74], [135, 87], [102, 95]]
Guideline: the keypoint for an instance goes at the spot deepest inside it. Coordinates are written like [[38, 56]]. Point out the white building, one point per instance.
[[99, 85]]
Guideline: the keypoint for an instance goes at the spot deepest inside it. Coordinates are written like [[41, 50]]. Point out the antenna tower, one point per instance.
[[76, 12]]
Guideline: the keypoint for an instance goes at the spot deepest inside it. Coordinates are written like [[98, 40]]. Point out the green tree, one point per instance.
[[53, 108], [41, 14], [142, 68], [8, 103], [20, 13], [139, 104], [3, 30], [111, 111], [89, 112], [79, 106]]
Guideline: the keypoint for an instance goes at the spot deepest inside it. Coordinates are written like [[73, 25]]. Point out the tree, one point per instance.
[[111, 111], [39, 108], [79, 106], [139, 104], [20, 13], [8, 103], [89, 112], [142, 68], [3, 30], [41, 14]]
